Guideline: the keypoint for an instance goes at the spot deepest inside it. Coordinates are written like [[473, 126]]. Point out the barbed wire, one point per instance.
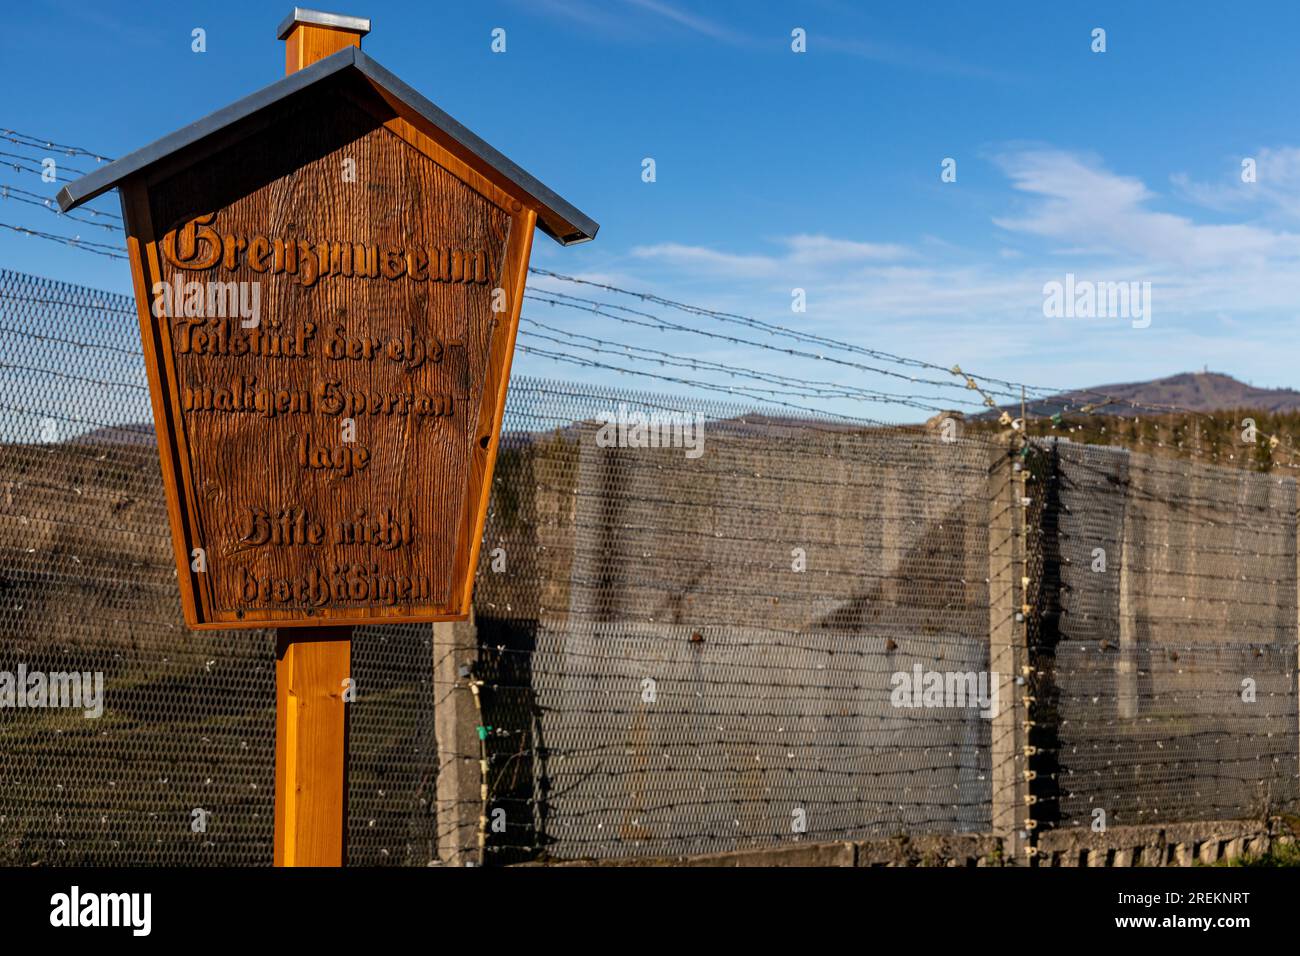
[[770, 327], [662, 325], [1097, 400], [808, 389], [17, 194], [24, 139], [729, 390], [76, 242], [10, 160]]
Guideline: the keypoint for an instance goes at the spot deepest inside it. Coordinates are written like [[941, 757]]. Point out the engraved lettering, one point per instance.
[[343, 459], [200, 246]]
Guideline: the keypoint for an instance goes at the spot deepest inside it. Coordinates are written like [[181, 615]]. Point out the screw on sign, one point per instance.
[[328, 275]]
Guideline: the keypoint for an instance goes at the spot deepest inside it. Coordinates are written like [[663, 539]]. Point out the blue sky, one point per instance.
[[819, 170]]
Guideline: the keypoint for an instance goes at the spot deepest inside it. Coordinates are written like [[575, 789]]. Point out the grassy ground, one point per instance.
[[1280, 854]]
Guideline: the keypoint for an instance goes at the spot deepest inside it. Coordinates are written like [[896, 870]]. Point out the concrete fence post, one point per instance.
[[455, 720], [1007, 655], [1130, 602]]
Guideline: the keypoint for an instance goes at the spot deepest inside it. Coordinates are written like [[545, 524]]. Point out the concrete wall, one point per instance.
[[913, 554], [627, 565], [1187, 844], [1197, 596]]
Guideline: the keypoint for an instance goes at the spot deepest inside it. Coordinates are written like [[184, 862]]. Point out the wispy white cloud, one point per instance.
[[906, 57], [1076, 201], [1072, 215], [620, 19], [827, 251], [613, 19], [694, 23], [600, 17], [804, 254], [1223, 293], [710, 261], [1273, 191]]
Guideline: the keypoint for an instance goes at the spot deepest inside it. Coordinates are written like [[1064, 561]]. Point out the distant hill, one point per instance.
[[129, 434], [1191, 391], [1185, 392]]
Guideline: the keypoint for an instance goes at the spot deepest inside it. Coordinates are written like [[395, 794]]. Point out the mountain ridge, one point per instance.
[[1203, 391]]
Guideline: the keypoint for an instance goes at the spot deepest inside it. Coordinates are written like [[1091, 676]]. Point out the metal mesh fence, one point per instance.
[[696, 652], [88, 585], [1175, 663], [699, 628]]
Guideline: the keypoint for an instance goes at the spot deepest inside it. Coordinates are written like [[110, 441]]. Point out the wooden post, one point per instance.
[[310, 36], [312, 664], [311, 667]]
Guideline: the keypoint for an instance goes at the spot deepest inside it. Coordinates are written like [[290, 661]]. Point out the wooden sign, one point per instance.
[[329, 276]]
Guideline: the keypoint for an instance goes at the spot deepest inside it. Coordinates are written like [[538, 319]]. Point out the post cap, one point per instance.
[[336, 21]]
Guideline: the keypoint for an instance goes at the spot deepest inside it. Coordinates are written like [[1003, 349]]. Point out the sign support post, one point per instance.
[[312, 664]]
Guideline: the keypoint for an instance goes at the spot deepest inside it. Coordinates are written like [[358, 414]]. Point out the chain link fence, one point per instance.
[[698, 628], [179, 769], [692, 654], [1174, 637]]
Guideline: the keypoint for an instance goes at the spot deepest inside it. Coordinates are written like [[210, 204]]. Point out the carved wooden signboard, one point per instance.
[[329, 277]]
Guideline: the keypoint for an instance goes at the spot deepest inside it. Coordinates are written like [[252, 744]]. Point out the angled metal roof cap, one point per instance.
[[557, 217], [318, 18]]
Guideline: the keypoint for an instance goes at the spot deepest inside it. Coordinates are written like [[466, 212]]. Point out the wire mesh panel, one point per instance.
[[700, 627], [1176, 662], [392, 754], [179, 766], [666, 739], [690, 653]]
